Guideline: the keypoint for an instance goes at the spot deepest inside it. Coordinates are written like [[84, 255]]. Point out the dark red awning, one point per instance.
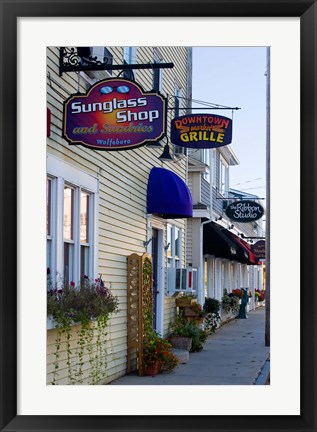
[[251, 260]]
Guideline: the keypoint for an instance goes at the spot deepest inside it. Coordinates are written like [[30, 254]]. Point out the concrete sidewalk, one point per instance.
[[234, 355]]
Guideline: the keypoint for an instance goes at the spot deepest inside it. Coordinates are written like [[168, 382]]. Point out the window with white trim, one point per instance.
[[69, 241], [214, 168], [174, 249], [223, 177], [206, 160], [71, 210], [49, 182]]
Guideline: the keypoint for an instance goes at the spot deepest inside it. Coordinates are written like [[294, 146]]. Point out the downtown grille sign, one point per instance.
[[114, 114], [201, 131]]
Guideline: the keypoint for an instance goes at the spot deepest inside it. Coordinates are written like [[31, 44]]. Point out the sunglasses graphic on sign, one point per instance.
[[121, 89]]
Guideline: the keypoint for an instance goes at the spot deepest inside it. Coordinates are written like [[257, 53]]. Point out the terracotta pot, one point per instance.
[[153, 369]]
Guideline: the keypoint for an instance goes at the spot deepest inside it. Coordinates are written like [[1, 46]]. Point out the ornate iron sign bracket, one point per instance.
[[73, 59]]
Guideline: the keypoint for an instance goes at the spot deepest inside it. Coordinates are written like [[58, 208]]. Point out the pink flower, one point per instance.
[[72, 283]]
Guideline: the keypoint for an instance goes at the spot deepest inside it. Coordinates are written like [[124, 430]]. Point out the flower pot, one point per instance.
[[185, 302], [181, 342], [188, 312], [153, 369]]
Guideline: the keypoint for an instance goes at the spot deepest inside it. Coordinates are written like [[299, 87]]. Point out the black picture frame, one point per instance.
[[10, 11]]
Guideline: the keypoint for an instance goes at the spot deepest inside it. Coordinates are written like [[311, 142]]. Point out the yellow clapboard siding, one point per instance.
[[123, 178]]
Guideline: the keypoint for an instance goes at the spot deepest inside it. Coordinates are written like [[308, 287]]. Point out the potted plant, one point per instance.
[[212, 318], [195, 311], [158, 355], [230, 304], [259, 295], [183, 328], [185, 300]]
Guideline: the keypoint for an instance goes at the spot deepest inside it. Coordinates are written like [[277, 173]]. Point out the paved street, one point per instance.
[[235, 355]]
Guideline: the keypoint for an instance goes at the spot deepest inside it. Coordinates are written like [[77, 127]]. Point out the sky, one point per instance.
[[235, 77]]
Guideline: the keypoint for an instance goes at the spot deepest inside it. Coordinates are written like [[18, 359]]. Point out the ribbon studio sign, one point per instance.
[[115, 114], [201, 131], [244, 211]]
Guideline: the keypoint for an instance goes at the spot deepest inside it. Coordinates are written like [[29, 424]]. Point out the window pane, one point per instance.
[[48, 206], [68, 212], [169, 241], [177, 242], [68, 262], [84, 261], [84, 217], [49, 254]]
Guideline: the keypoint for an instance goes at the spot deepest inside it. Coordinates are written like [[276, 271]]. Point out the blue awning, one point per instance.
[[168, 195]]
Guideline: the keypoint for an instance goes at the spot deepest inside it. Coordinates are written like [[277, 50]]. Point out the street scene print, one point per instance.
[[156, 216]]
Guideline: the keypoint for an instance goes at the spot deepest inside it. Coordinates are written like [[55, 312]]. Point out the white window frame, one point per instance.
[[223, 177], [214, 168], [63, 174], [174, 261], [206, 160]]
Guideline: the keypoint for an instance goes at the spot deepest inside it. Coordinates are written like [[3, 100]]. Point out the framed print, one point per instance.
[[28, 31]]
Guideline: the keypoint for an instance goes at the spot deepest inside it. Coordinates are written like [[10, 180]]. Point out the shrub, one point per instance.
[[157, 349], [230, 303], [184, 327], [212, 318]]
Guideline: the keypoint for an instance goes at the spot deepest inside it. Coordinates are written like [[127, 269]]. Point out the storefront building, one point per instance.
[[103, 206], [217, 245]]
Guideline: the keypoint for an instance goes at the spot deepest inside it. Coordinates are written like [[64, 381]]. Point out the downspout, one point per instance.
[[201, 295]]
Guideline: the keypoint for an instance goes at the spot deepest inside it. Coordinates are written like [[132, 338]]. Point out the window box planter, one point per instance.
[[180, 302], [188, 312]]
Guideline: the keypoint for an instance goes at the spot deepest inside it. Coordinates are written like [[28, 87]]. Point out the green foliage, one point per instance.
[[70, 304], [155, 348], [187, 296], [188, 328], [212, 305], [230, 304], [158, 349], [212, 318]]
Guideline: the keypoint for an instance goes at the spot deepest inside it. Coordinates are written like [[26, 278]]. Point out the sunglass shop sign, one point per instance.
[[115, 114]]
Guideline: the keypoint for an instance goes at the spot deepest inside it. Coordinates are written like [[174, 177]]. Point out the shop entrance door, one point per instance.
[[155, 271]]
